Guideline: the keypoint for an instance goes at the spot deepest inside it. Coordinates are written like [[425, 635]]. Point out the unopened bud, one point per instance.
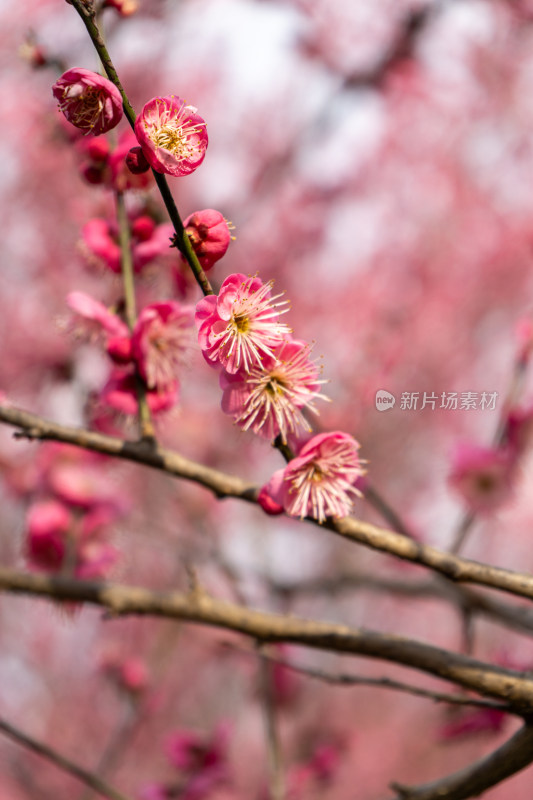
[[136, 161]]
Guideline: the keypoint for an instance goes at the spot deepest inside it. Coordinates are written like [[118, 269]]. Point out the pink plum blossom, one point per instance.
[[320, 481], [173, 135], [89, 101], [483, 476], [96, 318], [94, 151], [100, 239], [203, 762], [124, 7], [54, 536], [80, 480], [209, 235], [48, 524], [240, 326], [94, 558], [268, 398], [120, 393], [159, 341], [192, 752]]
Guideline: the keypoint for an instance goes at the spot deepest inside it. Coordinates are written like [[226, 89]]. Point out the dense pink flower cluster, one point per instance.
[[268, 381], [105, 163], [148, 241], [89, 101], [68, 522], [151, 353], [173, 136]]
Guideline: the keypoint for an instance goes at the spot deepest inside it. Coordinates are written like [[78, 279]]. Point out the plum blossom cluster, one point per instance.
[[267, 377], [148, 240], [269, 380], [74, 507], [103, 163], [151, 353]]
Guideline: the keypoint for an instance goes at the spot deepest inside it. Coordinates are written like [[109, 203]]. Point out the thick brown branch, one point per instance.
[[219, 483], [505, 684], [88, 778], [510, 758], [456, 569]]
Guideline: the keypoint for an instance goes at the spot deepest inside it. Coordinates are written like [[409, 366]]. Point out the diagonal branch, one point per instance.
[[508, 685], [519, 618], [507, 760], [88, 778], [345, 679], [455, 568]]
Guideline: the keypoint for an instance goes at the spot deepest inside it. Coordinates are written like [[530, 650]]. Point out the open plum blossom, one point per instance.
[[240, 326], [483, 476], [319, 482], [269, 397], [209, 235], [159, 341], [173, 136], [96, 319], [89, 101]]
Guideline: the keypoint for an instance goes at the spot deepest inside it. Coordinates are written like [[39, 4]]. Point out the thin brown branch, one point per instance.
[[276, 778], [345, 679], [88, 778], [507, 685], [455, 568], [519, 618], [507, 760]]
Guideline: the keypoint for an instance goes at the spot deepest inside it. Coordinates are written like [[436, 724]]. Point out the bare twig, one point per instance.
[[507, 760], [126, 260], [276, 782], [345, 679], [88, 778]]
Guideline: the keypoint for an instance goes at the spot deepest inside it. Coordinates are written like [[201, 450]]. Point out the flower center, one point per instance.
[[177, 139], [241, 323], [85, 108]]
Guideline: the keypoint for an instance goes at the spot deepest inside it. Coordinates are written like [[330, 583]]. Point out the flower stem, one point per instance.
[[145, 421], [87, 12]]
